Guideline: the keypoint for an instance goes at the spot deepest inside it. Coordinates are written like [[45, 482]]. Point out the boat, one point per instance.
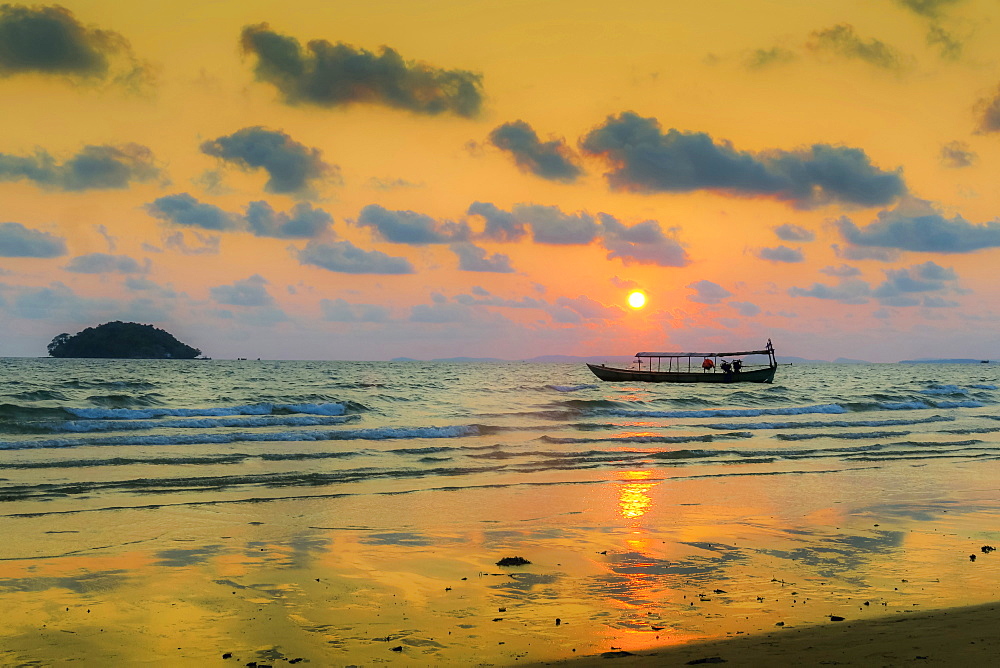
[[692, 368]]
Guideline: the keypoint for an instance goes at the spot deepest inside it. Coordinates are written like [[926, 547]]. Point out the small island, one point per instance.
[[121, 340]]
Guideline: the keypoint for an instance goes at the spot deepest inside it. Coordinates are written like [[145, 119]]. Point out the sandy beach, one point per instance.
[[412, 579]]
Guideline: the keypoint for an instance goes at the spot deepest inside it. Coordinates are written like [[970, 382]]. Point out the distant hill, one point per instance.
[[121, 340], [962, 360], [623, 360]]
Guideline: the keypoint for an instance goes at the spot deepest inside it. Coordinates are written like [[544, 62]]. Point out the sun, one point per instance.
[[637, 300]]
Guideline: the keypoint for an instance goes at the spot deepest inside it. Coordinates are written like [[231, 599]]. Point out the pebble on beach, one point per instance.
[[513, 561]]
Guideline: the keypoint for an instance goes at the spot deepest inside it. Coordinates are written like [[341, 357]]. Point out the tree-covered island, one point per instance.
[[122, 340]]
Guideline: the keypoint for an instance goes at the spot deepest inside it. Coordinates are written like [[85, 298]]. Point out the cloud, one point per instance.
[[642, 243], [93, 168], [862, 253], [440, 313], [938, 302], [331, 75], [988, 109], [918, 227], [950, 47], [209, 245], [549, 225], [590, 309], [104, 263], [644, 159], [338, 310], [142, 284], [16, 240], [781, 254], [843, 271], [183, 209], [551, 160], [761, 58], [746, 309], [303, 222], [408, 227], [293, 168], [928, 8], [474, 258], [957, 154], [59, 302], [346, 258], [248, 292], [623, 283], [849, 291], [843, 41], [707, 292], [789, 232], [50, 40], [379, 183], [483, 298], [901, 284], [500, 225], [112, 241]]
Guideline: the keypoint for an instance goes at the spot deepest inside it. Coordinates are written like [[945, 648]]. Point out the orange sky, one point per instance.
[[307, 180]]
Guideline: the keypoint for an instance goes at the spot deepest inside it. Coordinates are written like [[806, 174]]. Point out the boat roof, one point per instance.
[[727, 354]]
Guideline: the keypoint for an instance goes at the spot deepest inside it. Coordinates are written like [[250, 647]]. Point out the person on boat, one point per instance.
[[726, 367], [737, 365], [708, 364]]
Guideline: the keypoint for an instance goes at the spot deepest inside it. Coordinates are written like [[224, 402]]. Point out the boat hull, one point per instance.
[[612, 374]]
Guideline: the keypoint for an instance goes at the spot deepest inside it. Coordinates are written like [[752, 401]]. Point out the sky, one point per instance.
[[370, 180]]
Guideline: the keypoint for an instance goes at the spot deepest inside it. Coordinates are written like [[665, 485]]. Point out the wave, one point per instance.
[[833, 409], [646, 438], [841, 435], [830, 423], [201, 423], [373, 434], [221, 411], [570, 388]]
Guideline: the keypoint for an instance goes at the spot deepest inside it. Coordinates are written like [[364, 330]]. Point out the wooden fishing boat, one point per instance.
[[692, 368]]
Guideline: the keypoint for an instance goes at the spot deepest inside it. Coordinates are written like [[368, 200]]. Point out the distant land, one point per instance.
[[627, 359], [600, 359], [962, 360]]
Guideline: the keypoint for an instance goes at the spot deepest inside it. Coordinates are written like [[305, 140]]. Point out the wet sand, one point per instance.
[[956, 637], [630, 564]]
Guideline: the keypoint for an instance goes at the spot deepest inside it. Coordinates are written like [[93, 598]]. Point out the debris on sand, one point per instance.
[[616, 654], [987, 549], [513, 561]]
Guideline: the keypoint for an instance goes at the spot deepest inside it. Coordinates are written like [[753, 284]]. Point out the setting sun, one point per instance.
[[637, 299]]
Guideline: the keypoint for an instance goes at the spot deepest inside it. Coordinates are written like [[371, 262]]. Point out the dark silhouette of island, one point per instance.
[[122, 340]]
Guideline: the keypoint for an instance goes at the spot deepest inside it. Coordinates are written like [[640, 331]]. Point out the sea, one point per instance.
[[349, 513], [87, 435]]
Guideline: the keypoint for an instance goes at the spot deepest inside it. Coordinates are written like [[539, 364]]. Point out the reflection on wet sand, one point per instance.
[[634, 500], [633, 562]]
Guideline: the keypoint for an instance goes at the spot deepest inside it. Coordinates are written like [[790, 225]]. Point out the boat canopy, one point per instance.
[[733, 354]]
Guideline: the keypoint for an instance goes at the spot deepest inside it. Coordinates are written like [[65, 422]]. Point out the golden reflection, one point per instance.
[[633, 496]]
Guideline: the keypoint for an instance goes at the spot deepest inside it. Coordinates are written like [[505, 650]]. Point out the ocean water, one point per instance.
[[87, 435]]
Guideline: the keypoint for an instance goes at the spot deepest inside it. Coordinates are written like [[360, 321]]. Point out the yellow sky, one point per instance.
[[894, 82]]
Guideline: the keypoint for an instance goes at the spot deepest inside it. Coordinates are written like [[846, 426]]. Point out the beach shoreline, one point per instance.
[[405, 579], [963, 636]]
